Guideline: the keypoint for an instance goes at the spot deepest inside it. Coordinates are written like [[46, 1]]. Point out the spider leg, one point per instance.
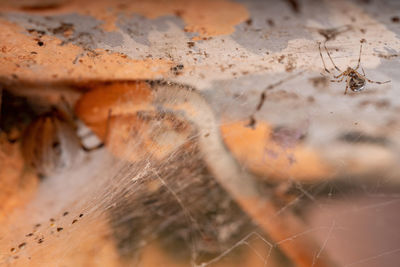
[[329, 55], [363, 71], [323, 61], [340, 75], [338, 81], [376, 81], [347, 86], [359, 57], [371, 81]]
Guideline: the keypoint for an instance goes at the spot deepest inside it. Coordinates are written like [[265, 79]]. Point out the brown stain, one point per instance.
[[23, 58], [257, 150], [319, 82]]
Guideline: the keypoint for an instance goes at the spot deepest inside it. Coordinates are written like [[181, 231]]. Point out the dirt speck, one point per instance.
[[252, 123], [22, 245], [190, 44], [294, 5]]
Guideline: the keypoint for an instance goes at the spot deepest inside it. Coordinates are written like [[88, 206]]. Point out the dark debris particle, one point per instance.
[[38, 32], [22, 245], [63, 28], [190, 44], [359, 137], [40, 43], [65, 213], [261, 101], [177, 69], [395, 19], [271, 22], [252, 123], [40, 240], [37, 225], [16, 257], [249, 22], [12, 249], [294, 5], [74, 221], [52, 220], [59, 229], [56, 144], [81, 215], [28, 235]]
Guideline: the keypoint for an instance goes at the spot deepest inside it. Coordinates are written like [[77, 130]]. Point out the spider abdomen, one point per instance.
[[356, 83]]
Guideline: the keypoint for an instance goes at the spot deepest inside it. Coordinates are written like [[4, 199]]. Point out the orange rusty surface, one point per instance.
[[21, 56], [207, 18], [17, 186], [95, 106], [255, 149], [93, 249], [123, 116]]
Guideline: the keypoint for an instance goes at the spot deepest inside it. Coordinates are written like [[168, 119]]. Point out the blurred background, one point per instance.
[[199, 133]]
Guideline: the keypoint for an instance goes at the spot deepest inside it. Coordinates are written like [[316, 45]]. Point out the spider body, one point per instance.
[[50, 143], [354, 80]]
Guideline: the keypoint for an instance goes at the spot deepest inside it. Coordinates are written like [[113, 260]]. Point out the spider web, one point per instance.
[[181, 206]]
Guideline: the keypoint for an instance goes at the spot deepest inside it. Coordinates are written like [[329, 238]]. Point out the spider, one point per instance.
[[50, 142], [355, 80]]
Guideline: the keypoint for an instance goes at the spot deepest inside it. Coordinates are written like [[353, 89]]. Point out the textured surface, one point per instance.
[[252, 66]]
